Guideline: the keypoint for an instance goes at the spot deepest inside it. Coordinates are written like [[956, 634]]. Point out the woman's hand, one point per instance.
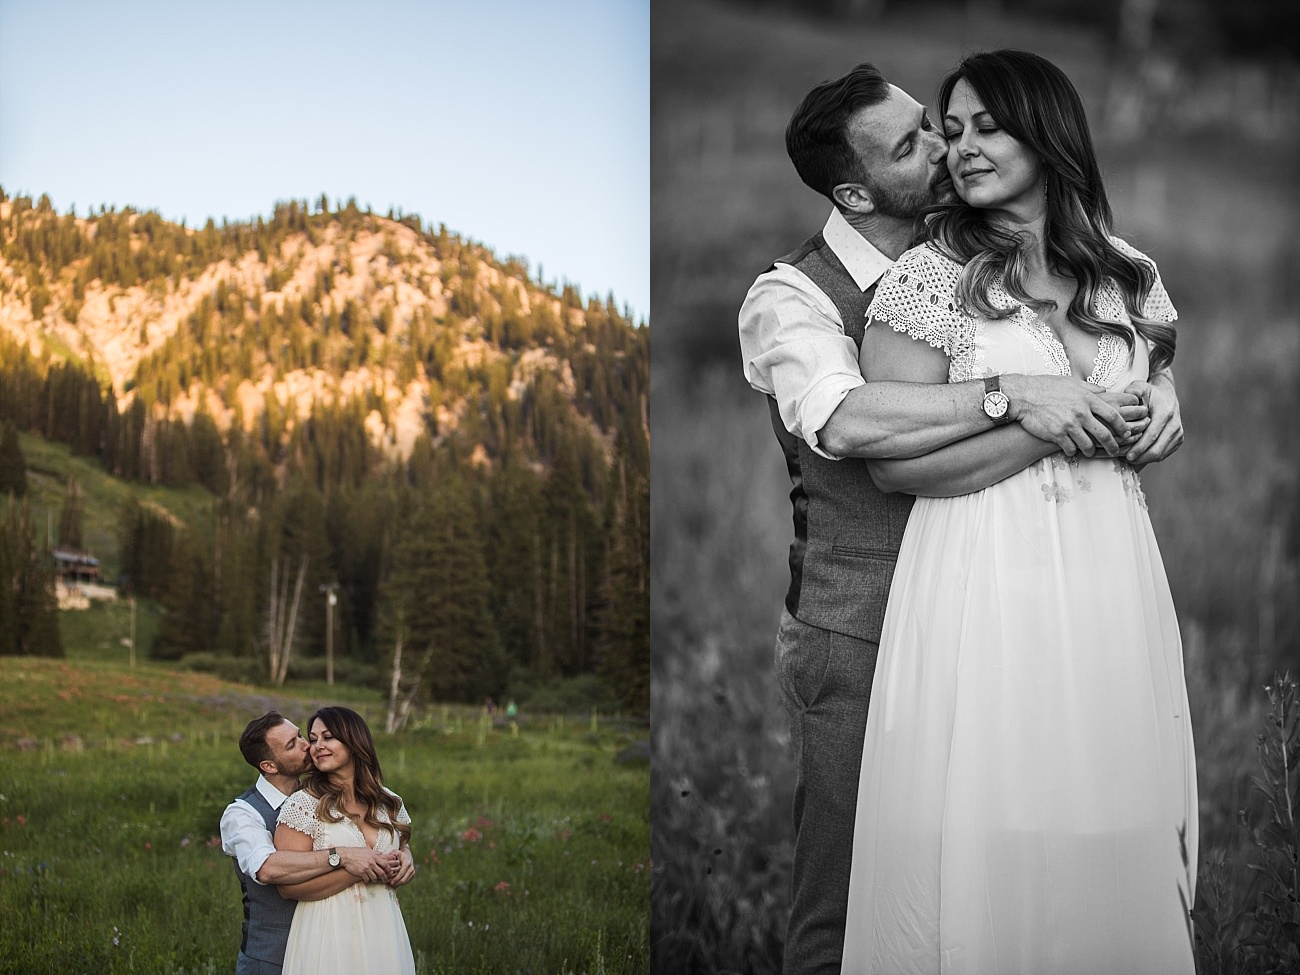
[[1164, 434], [405, 869]]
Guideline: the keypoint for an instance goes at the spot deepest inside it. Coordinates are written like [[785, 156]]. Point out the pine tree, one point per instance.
[[437, 598], [28, 609], [71, 516], [188, 623], [13, 464], [513, 554], [623, 624]]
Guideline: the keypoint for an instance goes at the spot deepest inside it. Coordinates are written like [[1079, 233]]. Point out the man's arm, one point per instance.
[[972, 463], [295, 843], [893, 419], [244, 837], [293, 867], [794, 349]]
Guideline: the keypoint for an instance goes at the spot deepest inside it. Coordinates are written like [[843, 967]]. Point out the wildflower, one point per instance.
[[484, 822], [213, 841], [502, 888], [148, 845], [185, 842], [471, 835], [116, 935], [20, 819]]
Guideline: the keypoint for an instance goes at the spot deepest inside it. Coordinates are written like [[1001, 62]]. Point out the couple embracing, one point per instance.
[[978, 652], [319, 861]]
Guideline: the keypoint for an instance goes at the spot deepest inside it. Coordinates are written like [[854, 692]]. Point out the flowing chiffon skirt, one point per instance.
[[1027, 801]]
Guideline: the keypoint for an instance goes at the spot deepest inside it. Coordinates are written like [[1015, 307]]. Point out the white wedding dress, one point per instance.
[[359, 930], [1027, 801]]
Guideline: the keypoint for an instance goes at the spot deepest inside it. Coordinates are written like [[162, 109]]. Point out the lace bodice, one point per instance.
[[916, 296], [299, 812]]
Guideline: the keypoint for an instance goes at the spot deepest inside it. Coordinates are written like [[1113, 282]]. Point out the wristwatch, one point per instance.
[[996, 405], [335, 859]]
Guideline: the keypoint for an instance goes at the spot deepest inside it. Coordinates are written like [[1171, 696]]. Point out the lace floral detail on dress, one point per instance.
[[916, 296], [1132, 486], [299, 812], [402, 815], [1057, 488], [1112, 357], [1157, 306]]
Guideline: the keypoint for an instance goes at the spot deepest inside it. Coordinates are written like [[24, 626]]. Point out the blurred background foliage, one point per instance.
[[1194, 107]]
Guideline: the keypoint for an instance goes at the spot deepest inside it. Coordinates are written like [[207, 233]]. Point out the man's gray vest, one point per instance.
[[846, 531], [267, 915]]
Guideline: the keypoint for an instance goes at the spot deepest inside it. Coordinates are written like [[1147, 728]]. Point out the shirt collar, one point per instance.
[[859, 257], [270, 793]]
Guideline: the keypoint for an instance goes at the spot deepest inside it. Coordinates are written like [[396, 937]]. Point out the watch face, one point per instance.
[[995, 404]]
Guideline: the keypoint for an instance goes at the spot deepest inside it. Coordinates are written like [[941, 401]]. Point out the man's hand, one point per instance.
[[367, 865], [1164, 434], [405, 869], [1074, 415]]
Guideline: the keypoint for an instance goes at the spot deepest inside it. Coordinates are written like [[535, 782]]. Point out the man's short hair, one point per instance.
[[816, 137], [252, 743]]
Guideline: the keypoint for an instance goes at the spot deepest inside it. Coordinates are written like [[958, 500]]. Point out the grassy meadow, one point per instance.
[[531, 844], [1218, 212]]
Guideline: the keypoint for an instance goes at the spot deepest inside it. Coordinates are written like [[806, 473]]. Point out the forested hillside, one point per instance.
[[371, 403]]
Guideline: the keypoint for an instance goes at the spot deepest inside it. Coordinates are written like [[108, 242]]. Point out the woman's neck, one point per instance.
[[344, 781], [1029, 227]]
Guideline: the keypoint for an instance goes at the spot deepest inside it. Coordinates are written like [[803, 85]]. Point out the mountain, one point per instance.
[[309, 307], [357, 364]]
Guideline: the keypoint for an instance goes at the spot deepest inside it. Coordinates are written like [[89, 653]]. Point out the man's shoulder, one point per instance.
[[795, 257]]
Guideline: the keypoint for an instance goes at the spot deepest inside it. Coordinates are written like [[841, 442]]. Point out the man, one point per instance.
[[872, 150], [275, 747]]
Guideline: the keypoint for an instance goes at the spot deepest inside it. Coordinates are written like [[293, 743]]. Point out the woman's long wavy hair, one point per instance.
[[1034, 102], [368, 781]]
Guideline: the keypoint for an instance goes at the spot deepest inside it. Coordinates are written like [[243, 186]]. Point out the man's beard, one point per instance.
[[908, 206], [308, 766]]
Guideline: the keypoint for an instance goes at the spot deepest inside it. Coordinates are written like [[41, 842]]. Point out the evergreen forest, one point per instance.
[[369, 406]]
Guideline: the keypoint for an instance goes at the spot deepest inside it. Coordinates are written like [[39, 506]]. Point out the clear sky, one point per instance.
[[522, 124]]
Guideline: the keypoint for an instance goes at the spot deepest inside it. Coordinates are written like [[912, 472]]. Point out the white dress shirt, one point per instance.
[[244, 835], [792, 340]]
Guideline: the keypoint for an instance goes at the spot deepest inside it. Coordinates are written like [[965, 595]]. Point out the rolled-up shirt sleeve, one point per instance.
[[244, 837], [794, 349]]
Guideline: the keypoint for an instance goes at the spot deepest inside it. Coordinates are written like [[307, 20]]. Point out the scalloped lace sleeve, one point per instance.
[[299, 812], [916, 296], [402, 815], [1158, 306]]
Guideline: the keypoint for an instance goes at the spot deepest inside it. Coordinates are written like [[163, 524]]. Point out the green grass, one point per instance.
[[109, 860]]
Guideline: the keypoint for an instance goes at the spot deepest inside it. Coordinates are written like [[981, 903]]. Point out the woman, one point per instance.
[[1027, 801], [342, 926]]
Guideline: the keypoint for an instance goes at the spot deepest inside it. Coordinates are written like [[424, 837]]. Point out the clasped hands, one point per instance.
[[394, 868], [1141, 422]]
